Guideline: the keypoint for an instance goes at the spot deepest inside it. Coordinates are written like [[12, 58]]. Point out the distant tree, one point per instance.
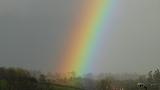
[[105, 84], [150, 76], [42, 78], [88, 82], [142, 78], [156, 75]]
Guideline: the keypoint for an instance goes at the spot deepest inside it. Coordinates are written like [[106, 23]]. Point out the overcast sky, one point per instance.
[[34, 32]]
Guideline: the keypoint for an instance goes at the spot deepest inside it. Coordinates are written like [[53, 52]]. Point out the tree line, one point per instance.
[[21, 79]]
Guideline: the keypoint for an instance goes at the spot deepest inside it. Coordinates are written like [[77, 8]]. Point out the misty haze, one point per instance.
[[79, 45]]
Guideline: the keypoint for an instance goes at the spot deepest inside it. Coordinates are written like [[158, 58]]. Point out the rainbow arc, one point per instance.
[[85, 35]]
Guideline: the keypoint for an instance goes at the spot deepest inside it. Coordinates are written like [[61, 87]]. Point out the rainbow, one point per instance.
[[85, 35]]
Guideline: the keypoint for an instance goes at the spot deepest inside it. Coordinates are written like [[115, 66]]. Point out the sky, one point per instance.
[[33, 33]]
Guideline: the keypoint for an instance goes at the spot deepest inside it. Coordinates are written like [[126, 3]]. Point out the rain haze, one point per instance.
[[33, 33]]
